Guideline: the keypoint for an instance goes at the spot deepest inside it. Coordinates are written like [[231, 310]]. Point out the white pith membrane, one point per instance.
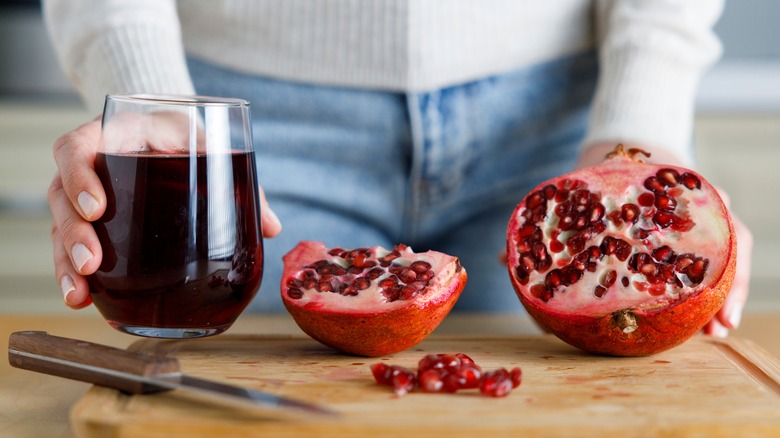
[[708, 239], [371, 299]]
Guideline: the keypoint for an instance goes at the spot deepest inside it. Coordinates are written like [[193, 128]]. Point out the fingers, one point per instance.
[[75, 290], [271, 225], [75, 153], [730, 314], [75, 197]]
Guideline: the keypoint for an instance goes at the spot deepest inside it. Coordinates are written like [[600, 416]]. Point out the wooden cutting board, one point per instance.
[[706, 387]]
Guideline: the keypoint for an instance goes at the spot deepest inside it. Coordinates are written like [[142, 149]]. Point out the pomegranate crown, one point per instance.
[[633, 154]]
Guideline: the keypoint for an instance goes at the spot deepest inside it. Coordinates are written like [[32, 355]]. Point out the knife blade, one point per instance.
[[137, 373]]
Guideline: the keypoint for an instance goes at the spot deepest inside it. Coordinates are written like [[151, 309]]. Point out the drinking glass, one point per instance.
[[181, 238]]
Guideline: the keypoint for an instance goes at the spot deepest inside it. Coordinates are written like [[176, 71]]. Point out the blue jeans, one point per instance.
[[438, 170]]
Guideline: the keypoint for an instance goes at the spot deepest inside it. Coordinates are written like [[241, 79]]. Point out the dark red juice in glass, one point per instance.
[[181, 239]]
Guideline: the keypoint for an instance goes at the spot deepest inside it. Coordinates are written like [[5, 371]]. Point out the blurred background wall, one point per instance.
[[737, 136]]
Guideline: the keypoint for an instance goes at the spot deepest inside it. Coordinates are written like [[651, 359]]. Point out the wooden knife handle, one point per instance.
[[88, 362]]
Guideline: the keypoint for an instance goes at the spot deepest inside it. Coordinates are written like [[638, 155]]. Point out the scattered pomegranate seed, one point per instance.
[[447, 373]]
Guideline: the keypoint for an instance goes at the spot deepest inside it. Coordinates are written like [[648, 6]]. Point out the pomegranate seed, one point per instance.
[[521, 275], [690, 181], [362, 283], [580, 261], [381, 373], [538, 290], [556, 246], [609, 278], [696, 271], [350, 291], [496, 383], [663, 254], [682, 224], [614, 216], [294, 283], [295, 293], [623, 250], [646, 199], [683, 262], [527, 263], [553, 279], [624, 281], [420, 267], [581, 197], [599, 291], [389, 257], [516, 375], [392, 293], [407, 275], [539, 252], [668, 177], [359, 260], [576, 243], [675, 192], [657, 290], [665, 203], [430, 381], [562, 195], [534, 200], [567, 222], [648, 269], [570, 275], [375, 273], [642, 233], [401, 379], [596, 213], [408, 292], [324, 286], [426, 276], [525, 231], [655, 186], [667, 273], [338, 252], [549, 191], [664, 219], [388, 282], [629, 213]]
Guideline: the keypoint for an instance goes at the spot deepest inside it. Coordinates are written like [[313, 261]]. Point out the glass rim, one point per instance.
[[179, 99]]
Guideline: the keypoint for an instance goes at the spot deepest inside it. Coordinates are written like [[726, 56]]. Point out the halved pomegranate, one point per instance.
[[623, 258], [369, 301]]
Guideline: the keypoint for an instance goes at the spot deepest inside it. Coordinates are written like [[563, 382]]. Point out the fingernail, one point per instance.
[[67, 286], [88, 204], [269, 214], [735, 314], [81, 255], [719, 331]]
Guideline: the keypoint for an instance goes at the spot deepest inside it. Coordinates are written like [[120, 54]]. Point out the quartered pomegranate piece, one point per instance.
[[622, 258], [369, 301]]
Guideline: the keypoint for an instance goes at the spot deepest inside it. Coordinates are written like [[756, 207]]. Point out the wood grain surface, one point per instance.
[[706, 387]]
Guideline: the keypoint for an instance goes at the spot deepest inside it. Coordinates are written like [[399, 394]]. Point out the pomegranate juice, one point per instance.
[[182, 247]]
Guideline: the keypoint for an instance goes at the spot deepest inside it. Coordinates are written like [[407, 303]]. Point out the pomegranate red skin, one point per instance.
[[373, 333], [654, 331]]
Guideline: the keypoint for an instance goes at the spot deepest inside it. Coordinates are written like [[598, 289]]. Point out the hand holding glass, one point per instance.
[[181, 237]]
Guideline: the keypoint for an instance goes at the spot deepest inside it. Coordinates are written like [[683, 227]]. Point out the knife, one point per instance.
[[136, 373]]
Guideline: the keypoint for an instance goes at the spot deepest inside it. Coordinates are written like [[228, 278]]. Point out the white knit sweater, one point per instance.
[[652, 52]]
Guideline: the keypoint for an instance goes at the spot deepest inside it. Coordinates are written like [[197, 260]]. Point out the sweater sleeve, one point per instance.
[[652, 55], [118, 46]]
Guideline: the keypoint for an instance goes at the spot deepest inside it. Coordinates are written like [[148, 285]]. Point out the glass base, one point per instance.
[[167, 332]]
